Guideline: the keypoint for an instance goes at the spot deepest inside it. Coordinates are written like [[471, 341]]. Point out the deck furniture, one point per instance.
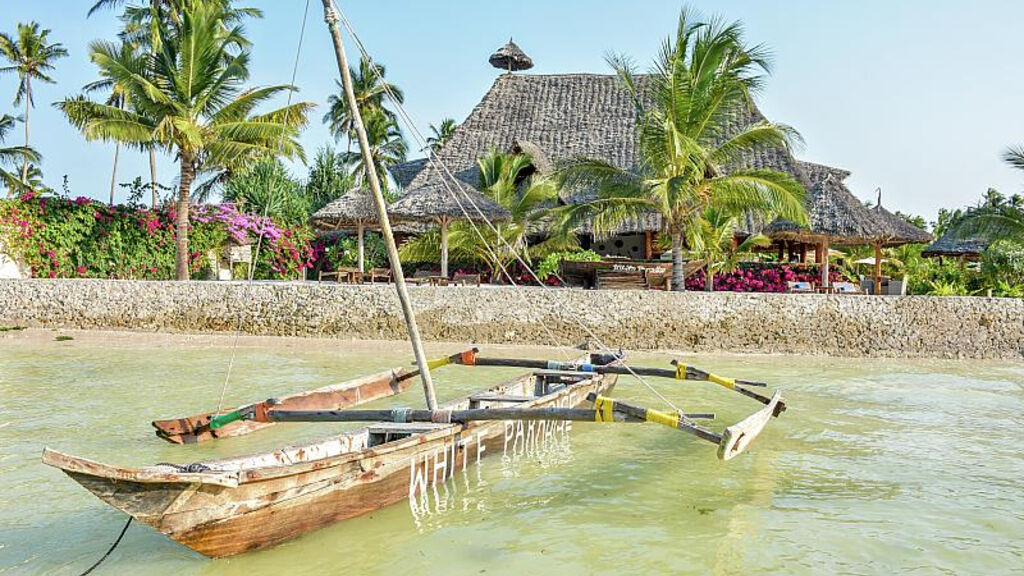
[[342, 275], [466, 279], [382, 275], [847, 288], [800, 288]]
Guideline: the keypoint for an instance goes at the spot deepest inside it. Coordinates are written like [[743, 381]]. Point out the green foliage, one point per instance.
[[711, 239], [1003, 262], [440, 135], [61, 238], [338, 251], [267, 189], [552, 263], [946, 288], [328, 178]]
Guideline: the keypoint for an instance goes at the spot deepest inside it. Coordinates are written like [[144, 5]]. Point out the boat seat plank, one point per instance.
[[501, 398], [563, 374]]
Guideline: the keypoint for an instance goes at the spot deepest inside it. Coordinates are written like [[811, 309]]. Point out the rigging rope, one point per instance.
[[437, 163], [266, 211]]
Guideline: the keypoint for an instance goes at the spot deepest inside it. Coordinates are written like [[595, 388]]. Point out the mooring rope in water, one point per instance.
[[439, 164], [111, 550]]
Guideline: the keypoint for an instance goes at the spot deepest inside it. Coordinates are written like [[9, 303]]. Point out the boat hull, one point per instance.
[[246, 504]]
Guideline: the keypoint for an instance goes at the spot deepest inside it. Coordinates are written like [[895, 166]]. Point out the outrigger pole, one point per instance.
[[680, 371], [331, 17], [731, 443]]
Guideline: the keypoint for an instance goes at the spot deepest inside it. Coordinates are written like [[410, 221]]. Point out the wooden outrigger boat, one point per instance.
[[229, 506]]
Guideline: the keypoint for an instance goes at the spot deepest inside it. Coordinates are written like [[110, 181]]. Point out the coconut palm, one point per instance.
[[689, 157], [11, 156], [370, 91], [996, 218], [711, 239], [502, 177], [387, 148], [188, 98], [440, 135], [31, 57]]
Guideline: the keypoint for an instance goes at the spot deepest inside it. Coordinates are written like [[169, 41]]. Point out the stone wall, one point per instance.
[[911, 326]]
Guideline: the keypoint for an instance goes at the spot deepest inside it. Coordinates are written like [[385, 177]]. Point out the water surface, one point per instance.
[[879, 467]]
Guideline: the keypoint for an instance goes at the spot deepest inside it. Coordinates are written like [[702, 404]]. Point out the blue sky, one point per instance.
[[919, 97]]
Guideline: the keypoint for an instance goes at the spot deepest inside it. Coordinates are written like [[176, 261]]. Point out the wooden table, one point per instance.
[[345, 275]]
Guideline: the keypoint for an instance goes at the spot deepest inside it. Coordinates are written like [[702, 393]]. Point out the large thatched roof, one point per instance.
[[423, 202], [354, 208], [555, 118], [952, 245], [405, 172]]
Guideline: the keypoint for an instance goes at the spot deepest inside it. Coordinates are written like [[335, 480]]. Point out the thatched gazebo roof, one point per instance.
[[435, 201], [511, 58], [898, 231], [951, 244], [834, 213], [355, 208]]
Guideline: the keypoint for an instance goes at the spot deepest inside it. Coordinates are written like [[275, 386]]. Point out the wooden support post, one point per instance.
[[803, 253], [648, 245], [824, 264], [362, 250], [444, 247], [878, 269], [782, 250], [331, 17]]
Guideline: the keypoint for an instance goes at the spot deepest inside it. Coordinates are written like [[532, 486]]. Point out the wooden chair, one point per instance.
[[658, 280], [421, 277], [466, 280], [379, 275]]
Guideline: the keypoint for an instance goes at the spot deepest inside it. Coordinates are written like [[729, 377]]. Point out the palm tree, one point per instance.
[[701, 83], [502, 178], [712, 240], [139, 32], [117, 97], [440, 135], [996, 219], [370, 91], [31, 56], [387, 147], [188, 98], [13, 156]]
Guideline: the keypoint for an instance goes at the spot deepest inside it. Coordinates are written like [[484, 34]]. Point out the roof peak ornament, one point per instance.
[[511, 58]]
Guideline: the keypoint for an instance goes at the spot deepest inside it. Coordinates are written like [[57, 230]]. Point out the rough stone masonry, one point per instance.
[[852, 326]]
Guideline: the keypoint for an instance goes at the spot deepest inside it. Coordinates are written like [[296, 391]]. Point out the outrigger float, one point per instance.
[[229, 506]]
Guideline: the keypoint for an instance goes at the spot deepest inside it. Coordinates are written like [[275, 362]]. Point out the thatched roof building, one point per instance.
[[437, 202], [896, 230], [555, 118], [952, 245]]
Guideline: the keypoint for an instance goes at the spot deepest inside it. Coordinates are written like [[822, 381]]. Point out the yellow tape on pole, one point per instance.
[[724, 382], [435, 364], [670, 420], [604, 409], [680, 371]]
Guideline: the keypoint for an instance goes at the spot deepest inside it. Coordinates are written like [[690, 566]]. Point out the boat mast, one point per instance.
[[331, 17]]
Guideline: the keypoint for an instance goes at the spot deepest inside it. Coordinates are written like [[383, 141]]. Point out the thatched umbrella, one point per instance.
[[356, 209], [443, 204], [511, 58], [892, 231]]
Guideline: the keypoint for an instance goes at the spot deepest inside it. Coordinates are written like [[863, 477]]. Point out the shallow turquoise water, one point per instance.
[[879, 467]]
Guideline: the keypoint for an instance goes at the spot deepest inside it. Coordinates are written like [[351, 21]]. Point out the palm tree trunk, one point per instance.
[[28, 100], [709, 281], [152, 177], [362, 250], [188, 175], [678, 275], [113, 173]]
